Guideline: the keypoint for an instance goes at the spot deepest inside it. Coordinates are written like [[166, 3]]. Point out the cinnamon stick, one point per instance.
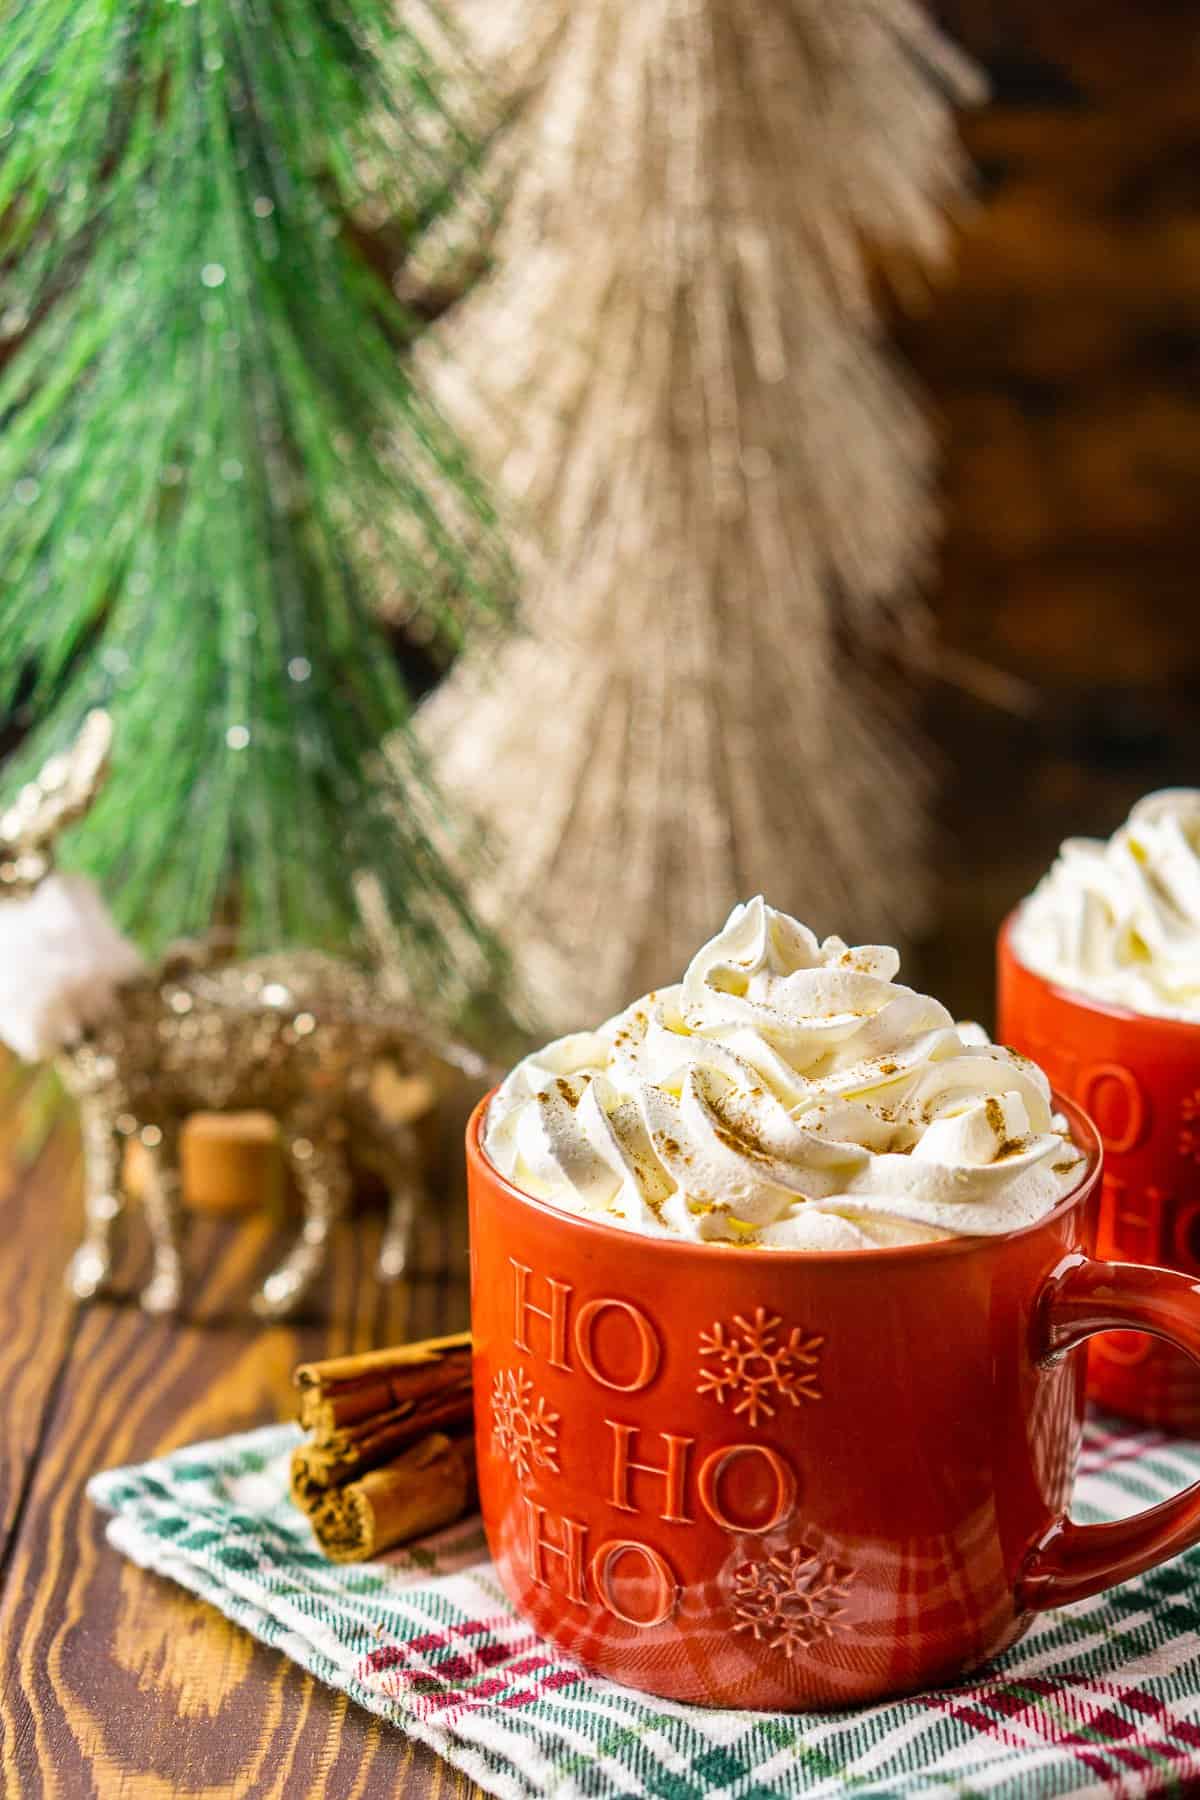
[[368, 1471], [326, 1463], [343, 1393], [429, 1485]]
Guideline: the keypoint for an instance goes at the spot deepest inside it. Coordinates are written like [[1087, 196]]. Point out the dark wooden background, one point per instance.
[[1065, 365], [1064, 361]]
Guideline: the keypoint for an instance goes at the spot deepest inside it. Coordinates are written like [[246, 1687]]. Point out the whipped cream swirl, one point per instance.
[[786, 1093], [1120, 920]]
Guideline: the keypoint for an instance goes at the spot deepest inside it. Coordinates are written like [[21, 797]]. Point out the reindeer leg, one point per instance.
[[323, 1178], [103, 1200], [399, 1159], [163, 1291]]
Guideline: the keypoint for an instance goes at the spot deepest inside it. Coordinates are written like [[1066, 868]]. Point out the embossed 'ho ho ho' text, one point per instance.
[[653, 1477], [563, 1329], [1141, 1219], [756, 1362]]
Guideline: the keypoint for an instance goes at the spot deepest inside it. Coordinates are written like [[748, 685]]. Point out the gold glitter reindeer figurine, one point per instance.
[[300, 1035]]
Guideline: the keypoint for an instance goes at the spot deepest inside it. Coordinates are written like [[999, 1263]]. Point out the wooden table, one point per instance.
[[116, 1683]]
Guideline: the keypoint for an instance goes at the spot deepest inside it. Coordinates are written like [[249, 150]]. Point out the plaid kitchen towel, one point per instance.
[[1102, 1698]]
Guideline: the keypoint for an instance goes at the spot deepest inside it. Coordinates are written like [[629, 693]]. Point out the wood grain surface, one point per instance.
[[115, 1682]]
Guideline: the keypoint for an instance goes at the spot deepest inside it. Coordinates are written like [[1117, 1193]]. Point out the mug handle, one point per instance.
[[1082, 1297]]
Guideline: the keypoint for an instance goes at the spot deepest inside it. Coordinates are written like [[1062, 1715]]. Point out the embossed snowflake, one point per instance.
[[754, 1364], [523, 1426], [1189, 1130], [790, 1600]]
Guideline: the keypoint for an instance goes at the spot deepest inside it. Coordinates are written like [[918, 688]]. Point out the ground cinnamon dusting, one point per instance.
[[744, 1146], [1006, 1146], [1011, 1147], [737, 1133]]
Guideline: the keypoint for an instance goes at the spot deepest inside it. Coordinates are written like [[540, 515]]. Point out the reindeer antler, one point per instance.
[[61, 793]]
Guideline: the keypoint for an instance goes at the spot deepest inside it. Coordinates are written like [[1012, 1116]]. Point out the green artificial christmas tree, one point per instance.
[[214, 466]]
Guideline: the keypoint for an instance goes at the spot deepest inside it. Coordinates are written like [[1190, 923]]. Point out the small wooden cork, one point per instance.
[[232, 1162]]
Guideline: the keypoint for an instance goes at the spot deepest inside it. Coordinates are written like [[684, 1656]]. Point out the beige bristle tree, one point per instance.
[[720, 478]]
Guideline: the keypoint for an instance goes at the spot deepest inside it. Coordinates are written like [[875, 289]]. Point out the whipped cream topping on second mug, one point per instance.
[[787, 1093], [1120, 920]]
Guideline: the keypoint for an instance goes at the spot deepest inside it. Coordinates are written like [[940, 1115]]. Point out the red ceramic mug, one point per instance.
[[1138, 1078], [790, 1479]]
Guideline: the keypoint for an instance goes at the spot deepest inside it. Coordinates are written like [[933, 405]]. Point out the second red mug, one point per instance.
[[1138, 1077]]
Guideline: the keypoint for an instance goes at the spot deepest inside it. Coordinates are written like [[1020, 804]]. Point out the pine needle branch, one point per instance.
[[212, 458]]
